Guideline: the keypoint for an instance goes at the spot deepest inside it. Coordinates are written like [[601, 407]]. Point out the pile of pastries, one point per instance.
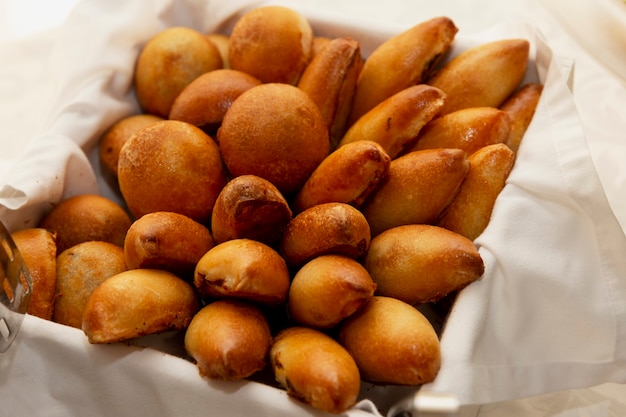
[[289, 203]]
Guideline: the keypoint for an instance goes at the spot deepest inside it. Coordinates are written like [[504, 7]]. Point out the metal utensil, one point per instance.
[[15, 289]]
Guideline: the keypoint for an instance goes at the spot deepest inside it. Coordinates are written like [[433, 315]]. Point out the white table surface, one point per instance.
[[597, 28]]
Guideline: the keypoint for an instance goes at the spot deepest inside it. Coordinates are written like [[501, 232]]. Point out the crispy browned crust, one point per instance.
[[274, 131], [330, 80], [116, 136], [521, 106]]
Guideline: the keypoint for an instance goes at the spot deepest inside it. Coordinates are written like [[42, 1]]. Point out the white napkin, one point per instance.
[[549, 313]]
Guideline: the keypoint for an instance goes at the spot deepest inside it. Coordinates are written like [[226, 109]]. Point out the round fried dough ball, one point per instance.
[[274, 131], [168, 62], [171, 166], [250, 207], [206, 99], [80, 269], [272, 43], [87, 217], [117, 135]]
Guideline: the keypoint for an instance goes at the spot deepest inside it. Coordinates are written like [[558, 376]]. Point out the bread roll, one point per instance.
[[168, 62], [336, 228], [39, 251], [245, 269], [80, 269], [328, 289], [171, 166], [86, 217], [276, 132], [138, 302], [392, 343], [205, 100], [421, 263], [229, 340], [167, 240], [250, 207], [348, 175], [315, 369], [271, 43]]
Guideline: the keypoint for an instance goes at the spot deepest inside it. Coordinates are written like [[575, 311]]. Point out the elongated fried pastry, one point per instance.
[[470, 211], [243, 269], [326, 228], [228, 339], [330, 80], [521, 108], [138, 302], [419, 263], [392, 342], [315, 369], [418, 187], [468, 129], [402, 61], [483, 76], [396, 122], [348, 175]]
